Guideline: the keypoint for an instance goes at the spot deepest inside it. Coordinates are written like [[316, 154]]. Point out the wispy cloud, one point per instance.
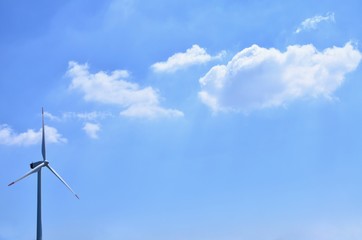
[[86, 116], [92, 129], [312, 23], [192, 56], [51, 116], [94, 115], [114, 89], [259, 78], [150, 111], [9, 137]]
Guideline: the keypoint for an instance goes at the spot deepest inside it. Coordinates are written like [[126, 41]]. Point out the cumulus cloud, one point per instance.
[[192, 56], [30, 137], [312, 23], [114, 89], [92, 129], [258, 78]]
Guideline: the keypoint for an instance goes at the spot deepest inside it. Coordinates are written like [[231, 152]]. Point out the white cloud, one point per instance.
[[113, 89], [51, 116], [30, 137], [92, 129], [311, 23], [258, 78], [87, 116], [52, 135], [192, 56], [150, 112]]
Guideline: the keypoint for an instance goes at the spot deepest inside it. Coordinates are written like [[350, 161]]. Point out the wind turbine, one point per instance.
[[36, 168]]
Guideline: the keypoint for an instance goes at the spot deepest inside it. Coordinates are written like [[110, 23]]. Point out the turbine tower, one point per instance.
[[36, 168]]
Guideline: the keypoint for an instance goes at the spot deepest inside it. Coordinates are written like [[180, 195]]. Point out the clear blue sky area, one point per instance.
[[182, 120]]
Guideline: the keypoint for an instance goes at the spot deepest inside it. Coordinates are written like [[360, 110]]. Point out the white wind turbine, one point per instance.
[[36, 167]]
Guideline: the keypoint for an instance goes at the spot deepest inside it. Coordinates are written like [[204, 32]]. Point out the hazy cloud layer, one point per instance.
[[114, 89], [312, 23], [259, 78], [192, 56], [30, 137]]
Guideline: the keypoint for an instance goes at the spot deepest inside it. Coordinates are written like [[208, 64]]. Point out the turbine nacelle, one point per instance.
[[34, 165]]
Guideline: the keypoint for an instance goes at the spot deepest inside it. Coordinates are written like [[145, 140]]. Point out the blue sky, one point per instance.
[[183, 120]]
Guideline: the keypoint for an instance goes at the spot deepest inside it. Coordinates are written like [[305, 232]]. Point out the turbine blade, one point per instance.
[[29, 173], [43, 136], [61, 179]]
